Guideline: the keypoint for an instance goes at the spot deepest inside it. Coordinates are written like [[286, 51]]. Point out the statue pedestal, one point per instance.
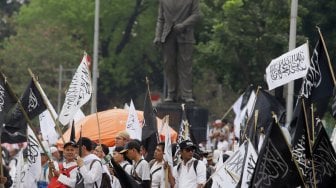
[[197, 117]]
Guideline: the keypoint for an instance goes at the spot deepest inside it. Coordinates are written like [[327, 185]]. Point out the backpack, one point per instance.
[[65, 171], [106, 181], [194, 165]]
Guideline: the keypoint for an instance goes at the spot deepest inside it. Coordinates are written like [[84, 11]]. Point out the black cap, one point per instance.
[[71, 143], [187, 144], [131, 145], [118, 149]]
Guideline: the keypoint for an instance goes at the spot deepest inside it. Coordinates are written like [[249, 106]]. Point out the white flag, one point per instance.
[[167, 154], [132, 125], [79, 116], [250, 162], [78, 94], [234, 163], [221, 178], [288, 67], [47, 126], [19, 171], [242, 114], [33, 166]]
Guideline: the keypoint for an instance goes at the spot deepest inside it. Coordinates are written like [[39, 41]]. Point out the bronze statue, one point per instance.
[[175, 33]]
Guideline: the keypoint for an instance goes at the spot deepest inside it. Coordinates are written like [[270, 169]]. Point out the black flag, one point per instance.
[[149, 130], [275, 166], [32, 103], [267, 106], [318, 83], [7, 102], [73, 133], [126, 181], [301, 132], [324, 160]]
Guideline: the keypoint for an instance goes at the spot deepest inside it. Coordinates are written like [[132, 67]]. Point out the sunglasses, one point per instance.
[[189, 149]]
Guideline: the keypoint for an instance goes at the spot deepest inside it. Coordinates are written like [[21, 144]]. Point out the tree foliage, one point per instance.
[[235, 42]]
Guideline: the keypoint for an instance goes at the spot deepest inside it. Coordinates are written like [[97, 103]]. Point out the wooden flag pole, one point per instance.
[[80, 144], [29, 122], [45, 101], [166, 177], [327, 54], [1, 165], [254, 102], [99, 134], [227, 112], [313, 123], [309, 140]]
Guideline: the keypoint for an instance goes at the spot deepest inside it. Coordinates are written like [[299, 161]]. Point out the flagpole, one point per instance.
[[313, 123], [327, 54], [291, 45], [227, 112], [39, 88], [99, 135], [29, 122], [95, 71], [80, 144], [309, 141], [254, 102], [149, 95], [1, 165]]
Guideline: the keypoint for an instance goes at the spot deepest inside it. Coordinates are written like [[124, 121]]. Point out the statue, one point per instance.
[[175, 33]]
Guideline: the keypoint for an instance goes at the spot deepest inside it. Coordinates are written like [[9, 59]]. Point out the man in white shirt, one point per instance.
[[67, 174], [157, 168], [120, 158], [89, 164], [101, 151], [122, 138], [189, 172], [140, 171]]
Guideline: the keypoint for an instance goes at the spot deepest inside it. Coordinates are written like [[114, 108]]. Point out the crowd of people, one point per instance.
[[88, 161]]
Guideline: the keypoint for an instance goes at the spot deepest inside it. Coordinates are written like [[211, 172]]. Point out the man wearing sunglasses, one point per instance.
[[189, 172]]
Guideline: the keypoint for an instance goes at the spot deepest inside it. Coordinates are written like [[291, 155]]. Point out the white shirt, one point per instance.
[[69, 181], [142, 170], [157, 176], [92, 175], [128, 167], [223, 145], [186, 176], [115, 182]]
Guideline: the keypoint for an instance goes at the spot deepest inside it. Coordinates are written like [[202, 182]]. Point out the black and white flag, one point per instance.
[[324, 160], [33, 105], [12, 121], [275, 166], [318, 84], [234, 163], [250, 162], [79, 92]]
